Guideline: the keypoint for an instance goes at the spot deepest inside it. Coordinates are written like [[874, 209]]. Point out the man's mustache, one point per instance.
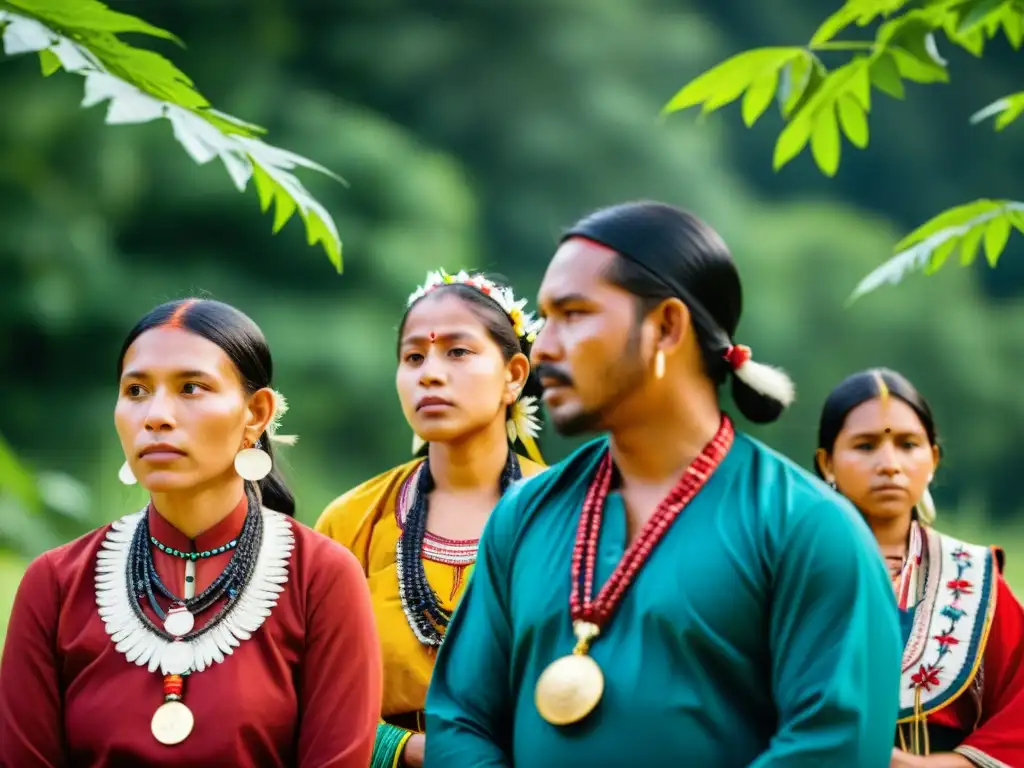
[[548, 372]]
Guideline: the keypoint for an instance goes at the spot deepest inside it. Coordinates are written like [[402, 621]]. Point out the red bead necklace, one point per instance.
[[582, 605], [570, 687]]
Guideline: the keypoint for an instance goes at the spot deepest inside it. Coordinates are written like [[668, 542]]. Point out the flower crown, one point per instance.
[[525, 325]]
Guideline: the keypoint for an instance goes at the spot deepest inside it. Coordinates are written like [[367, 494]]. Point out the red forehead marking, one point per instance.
[[433, 337]]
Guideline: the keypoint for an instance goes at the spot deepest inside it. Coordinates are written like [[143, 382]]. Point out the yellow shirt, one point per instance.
[[368, 521]]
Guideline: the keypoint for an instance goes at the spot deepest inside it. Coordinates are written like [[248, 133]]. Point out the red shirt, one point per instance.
[[303, 692]]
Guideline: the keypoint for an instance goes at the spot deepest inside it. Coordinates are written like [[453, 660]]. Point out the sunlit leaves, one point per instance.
[[139, 86], [727, 82], [821, 106], [853, 120], [982, 223], [759, 95], [863, 12]]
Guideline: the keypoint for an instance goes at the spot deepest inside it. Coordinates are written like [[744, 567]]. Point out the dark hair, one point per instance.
[[858, 389], [494, 319], [696, 268], [245, 345]]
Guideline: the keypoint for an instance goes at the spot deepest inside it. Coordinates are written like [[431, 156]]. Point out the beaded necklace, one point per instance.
[[247, 588], [193, 555], [570, 687], [422, 607]]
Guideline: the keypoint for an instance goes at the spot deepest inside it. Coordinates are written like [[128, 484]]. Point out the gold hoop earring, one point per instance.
[[659, 364]]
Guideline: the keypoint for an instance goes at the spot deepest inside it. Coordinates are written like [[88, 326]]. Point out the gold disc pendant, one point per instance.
[[571, 687], [172, 723]]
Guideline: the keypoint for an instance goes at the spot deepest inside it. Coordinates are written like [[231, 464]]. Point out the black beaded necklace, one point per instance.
[[421, 604], [144, 581]]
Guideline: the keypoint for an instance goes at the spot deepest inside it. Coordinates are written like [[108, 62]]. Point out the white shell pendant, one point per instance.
[[172, 723], [177, 658], [179, 621]]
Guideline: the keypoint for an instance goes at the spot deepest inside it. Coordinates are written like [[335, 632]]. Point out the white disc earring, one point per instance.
[[253, 464], [125, 474]]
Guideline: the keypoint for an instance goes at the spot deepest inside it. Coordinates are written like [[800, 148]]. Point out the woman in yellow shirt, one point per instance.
[[464, 383]]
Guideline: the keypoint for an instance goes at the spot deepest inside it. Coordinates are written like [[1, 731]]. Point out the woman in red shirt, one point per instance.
[[209, 628]]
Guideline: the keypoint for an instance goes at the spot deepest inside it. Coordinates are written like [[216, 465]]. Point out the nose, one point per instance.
[[432, 371], [888, 463], [160, 413], [546, 348]]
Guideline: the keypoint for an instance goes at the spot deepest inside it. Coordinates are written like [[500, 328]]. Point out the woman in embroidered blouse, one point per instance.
[[463, 369], [209, 628], [961, 700]]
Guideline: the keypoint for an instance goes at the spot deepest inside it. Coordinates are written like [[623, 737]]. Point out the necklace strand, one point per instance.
[[583, 606], [420, 603]]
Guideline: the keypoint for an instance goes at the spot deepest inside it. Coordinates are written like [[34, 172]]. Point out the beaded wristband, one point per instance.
[[388, 745]]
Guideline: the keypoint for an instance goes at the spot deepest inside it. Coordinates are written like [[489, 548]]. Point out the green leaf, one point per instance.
[[835, 24], [910, 31], [285, 208], [1012, 112], [792, 140], [799, 81], [265, 187], [87, 16], [317, 231], [853, 120], [976, 13], [724, 83], [996, 235], [972, 42], [939, 255], [912, 68], [1005, 110], [969, 245], [953, 217], [825, 143], [1013, 28], [885, 75], [860, 85], [758, 96], [48, 62]]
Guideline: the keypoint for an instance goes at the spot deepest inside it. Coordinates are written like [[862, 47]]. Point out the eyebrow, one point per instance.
[[897, 432], [442, 337], [190, 374], [568, 298]]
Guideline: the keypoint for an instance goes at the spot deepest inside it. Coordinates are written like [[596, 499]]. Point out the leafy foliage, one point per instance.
[[821, 106], [81, 37]]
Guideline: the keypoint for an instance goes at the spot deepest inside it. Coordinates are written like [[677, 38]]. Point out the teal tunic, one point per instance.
[[762, 631]]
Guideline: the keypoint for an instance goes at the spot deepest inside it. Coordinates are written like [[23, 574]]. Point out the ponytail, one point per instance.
[[272, 490]]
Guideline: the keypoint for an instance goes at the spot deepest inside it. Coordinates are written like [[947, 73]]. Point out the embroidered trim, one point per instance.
[[980, 759], [144, 648], [438, 549], [951, 627]]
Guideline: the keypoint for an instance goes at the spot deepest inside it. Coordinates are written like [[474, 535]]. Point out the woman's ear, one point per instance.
[[517, 370], [824, 462], [258, 414]]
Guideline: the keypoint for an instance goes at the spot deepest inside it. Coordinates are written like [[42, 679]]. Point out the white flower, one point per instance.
[[524, 323], [522, 420]]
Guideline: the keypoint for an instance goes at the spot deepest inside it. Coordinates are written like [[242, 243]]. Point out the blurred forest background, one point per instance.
[[471, 135]]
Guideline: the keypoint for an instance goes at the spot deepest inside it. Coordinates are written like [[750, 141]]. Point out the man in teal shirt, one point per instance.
[[675, 593]]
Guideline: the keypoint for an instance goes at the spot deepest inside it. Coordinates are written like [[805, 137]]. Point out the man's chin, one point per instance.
[[575, 423]]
